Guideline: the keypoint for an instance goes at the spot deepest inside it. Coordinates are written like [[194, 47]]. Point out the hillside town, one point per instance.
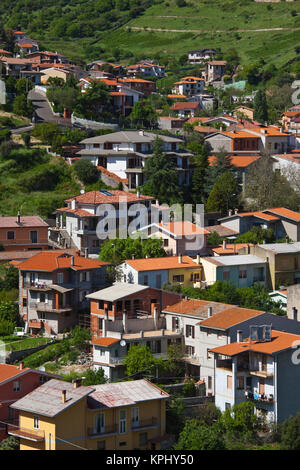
[[149, 251]]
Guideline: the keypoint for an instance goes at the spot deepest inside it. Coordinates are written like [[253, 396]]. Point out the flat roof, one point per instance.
[[117, 291], [282, 247], [234, 260], [129, 136]]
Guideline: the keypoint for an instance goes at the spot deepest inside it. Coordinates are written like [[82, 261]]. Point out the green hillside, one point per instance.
[[89, 29]]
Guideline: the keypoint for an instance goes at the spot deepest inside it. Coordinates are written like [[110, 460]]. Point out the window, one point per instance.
[[33, 236], [209, 354], [240, 383], [175, 323], [101, 445], [135, 416], [123, 443], [229, 382], [17, 386], [10, 235], [127, 305], [99, 423], [36, 422], [227, 406], [158, 281], [179, 278], [109, 306], [101, 304], [143, 438], [166, 242], [122, 427], [145, 280], [60, 278], [243, 273], [120, 306], [190, 331], [226, 275], [100, 323], [209, 382], [195, 277], [190, 350]]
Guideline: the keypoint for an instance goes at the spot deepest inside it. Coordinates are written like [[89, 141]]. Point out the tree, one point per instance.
[[26, 139], [198, 436], [260, 107], [95, 100], [224, 194], [116, 250], [22, 106], [240, 422], [161, 176], [214, 239], [220, 163], [11, 443], [23, 86], [267, 188], [86, 171], [139, 359], [80, 338], [200, 160], [290, 433], [143, 114], [94, 377]]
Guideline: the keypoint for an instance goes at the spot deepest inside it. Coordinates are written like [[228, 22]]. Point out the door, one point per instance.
[[261, 387], [33, 236], [99, 423], [135, 416]]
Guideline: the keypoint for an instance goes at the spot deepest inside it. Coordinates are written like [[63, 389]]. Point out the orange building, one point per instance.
[[23, 233]]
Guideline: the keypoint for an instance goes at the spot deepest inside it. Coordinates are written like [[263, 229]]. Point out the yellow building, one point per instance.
[[116, 416]]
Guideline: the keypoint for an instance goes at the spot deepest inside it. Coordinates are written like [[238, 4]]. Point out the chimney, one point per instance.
[[138, 194], [124, 321], [21, 366], [63, 396], [286, 239], [77, 382], [19, 217], [163, 332], [141, 132], [133, 256], [198, 259], [157, 202], [155, 316], [86, 252], [236, 211], [295, 313], [239, 336], [141, 334], [209, 311], [230, 212], [72, 260], [179, 259], [224, 244]]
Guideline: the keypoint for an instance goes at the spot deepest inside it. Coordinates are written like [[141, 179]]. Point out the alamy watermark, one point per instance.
[[2, 92], [296, 94], [141, 220]]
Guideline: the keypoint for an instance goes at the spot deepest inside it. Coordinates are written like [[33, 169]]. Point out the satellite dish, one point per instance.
[[42, 369], [122, 343]]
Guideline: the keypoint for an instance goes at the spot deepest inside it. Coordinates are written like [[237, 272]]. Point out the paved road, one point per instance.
[[137, 28], [19, 130], [43, 112]]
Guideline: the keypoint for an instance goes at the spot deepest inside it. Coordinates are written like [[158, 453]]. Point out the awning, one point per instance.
[[61, 289]]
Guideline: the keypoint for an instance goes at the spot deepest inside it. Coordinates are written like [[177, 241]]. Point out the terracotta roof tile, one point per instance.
[[9, 371], [168, 262], [197, 307], [28, 221], [280, 341], [286, 213], [51, 260], [230, 317], [98, 197], [105, 341]]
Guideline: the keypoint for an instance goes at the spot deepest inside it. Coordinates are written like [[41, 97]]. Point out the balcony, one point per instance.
[[35, 435], [94, 432], [37, 286], [48, 307], [145, 423], [259, 397]]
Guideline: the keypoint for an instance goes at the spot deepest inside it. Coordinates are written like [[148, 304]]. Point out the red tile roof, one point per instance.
[[183, 228], [8, 372], [260, 215], [280, 342], [196, 307], [97, 197], [51, 261], [286, 213], [239, 161], [185, 105], [168, 262], [231, 248], [28, 221], [230, 317], [105, 341]]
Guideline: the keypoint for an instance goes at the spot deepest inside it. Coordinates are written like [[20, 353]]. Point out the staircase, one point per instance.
[[61, 239]]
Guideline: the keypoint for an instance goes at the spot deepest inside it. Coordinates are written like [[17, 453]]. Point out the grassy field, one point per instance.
[[224, 15], [17, 344]]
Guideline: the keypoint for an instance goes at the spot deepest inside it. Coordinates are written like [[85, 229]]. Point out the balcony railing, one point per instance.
[[24, 433], [112, 429], [261, 397], [48, 307], [145, 423]]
